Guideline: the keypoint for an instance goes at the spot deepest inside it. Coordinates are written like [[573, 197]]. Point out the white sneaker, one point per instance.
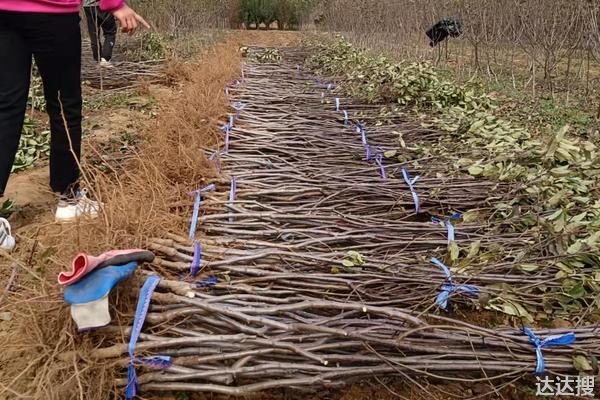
[[69, 211], [7, 241], [104, 63]]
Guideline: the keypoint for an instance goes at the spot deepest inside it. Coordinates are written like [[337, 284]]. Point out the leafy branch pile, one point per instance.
[[560, 173], [265, 57], [557, 173]]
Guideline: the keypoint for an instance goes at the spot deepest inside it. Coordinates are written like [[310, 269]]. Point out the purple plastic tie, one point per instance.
[[379, 161], [367, 153]]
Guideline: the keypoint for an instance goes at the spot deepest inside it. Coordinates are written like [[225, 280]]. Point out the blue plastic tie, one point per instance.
[[551, 341], [450, 287], [210, 281], [197, 260], [156, 362], [448, 223], [140, 316], [238, 106], [411, 185], [194, 222]]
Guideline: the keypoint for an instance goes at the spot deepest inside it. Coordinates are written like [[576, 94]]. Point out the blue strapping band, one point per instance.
[[411, 182], [379, 161], [555, 340], [337, 104], [197, 260], [140, 316], [194, 222], [450, 287]]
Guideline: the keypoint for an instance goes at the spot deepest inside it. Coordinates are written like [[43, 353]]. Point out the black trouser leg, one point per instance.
[[109, 28], [15, 69], [56, 46], [91, 16]]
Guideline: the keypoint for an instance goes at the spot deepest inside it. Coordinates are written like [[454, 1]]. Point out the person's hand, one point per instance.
[[129, 19]]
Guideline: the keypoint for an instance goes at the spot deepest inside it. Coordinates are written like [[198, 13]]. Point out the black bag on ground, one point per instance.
[[442, 29]]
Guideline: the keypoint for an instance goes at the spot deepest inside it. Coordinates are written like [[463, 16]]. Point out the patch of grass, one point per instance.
[[124, 99]]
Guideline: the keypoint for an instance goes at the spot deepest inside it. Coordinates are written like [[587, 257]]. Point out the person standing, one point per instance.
[[97, 21], [49, 31]]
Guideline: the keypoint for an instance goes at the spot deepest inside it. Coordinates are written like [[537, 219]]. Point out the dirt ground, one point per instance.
[[148, 159]]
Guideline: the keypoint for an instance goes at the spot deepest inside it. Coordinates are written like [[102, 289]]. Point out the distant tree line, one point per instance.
[[288, 14]]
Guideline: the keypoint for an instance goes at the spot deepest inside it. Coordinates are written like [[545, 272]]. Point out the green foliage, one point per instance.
[[33, 145], [7, 208]]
